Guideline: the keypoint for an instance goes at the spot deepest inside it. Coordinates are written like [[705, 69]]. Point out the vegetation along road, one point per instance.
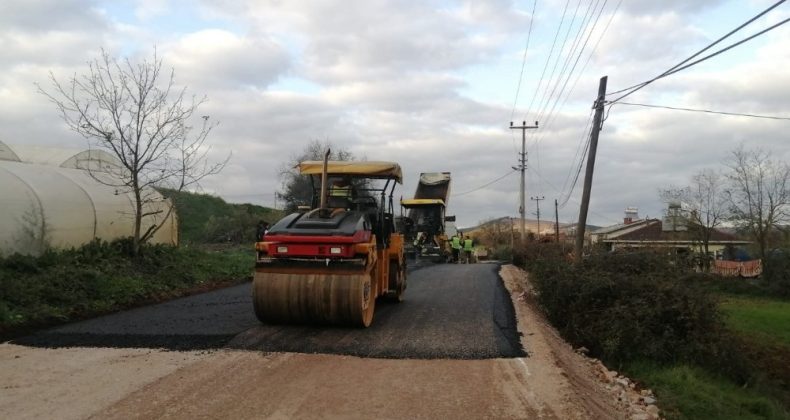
[[461, 346]]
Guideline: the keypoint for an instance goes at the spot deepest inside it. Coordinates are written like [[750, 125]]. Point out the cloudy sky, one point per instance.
[[431, 85]]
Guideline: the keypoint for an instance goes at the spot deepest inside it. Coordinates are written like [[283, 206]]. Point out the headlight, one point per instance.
[[282, 249], [335, 250]]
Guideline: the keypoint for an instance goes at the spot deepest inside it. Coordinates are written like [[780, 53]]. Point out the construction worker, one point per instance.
[[418, 242], [341, 188], [468, 248], [455, 243], [341, 193]]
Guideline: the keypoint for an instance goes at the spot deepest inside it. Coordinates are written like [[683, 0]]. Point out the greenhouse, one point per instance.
[[54, 198]]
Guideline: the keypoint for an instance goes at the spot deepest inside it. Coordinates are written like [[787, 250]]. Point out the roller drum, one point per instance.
[[340, 299]]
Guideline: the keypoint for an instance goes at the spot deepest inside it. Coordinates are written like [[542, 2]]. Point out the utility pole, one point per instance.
[[588, 174], [523, 166], [537, 203], [556, 222]]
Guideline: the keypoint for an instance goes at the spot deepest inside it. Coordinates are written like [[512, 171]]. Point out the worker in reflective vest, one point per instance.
[[455, 243], [468, 249], [341, 188]]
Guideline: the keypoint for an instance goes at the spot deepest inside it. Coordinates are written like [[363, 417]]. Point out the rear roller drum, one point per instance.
[[341, 299]]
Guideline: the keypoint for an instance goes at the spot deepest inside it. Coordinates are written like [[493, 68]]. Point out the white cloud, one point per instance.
[[215, 58]]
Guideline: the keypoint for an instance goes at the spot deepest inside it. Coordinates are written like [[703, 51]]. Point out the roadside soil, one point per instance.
[[553, 381]]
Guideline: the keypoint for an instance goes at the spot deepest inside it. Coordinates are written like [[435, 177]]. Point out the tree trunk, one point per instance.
[[138, 220]]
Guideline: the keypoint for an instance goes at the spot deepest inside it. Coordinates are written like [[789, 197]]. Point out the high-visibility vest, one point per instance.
[[338, 191], [467, 245], [456, 242]]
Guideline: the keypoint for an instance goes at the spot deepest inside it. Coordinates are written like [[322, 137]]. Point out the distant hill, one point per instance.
[[205, 218], [531, 225]]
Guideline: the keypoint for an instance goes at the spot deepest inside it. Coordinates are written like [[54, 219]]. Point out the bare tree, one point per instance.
[[135, 112], [495, 232], [707, 207], [759, 195]]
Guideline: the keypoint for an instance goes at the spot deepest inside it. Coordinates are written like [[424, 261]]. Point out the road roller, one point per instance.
[[329, 262]]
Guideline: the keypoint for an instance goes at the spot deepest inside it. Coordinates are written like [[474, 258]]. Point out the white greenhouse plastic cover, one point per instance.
[[43, 205]]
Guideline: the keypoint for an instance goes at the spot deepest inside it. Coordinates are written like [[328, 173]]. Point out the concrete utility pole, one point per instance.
[[588, 174], [537, 203], [523, 166], [556, 222]]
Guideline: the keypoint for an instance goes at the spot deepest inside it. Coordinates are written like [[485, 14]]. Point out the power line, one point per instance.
[[546, 66], [582, 146], [582, 29], [551, 113], [568, 57], [583, 68], [680, 66], [585, 131], [577, 202], [578, 172], [546, 97], [707, 111], [693, 63], [524, 59], [512, 171]]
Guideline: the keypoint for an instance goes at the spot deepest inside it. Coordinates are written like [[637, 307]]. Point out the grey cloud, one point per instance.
[[217, 58], [51, 15], [677, 6]]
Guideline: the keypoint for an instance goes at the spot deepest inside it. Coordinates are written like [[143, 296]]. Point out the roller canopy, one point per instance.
[[418, 202], [370, 169]]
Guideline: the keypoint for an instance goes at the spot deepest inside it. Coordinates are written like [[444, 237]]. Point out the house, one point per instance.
[[668, 233]]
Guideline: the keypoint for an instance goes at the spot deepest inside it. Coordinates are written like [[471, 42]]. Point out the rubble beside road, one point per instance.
[[591, 389]]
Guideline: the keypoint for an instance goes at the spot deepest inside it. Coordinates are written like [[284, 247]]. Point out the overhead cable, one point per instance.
[[524, 59], [546, 66], [707, 111], [682, 65], [512, 171]]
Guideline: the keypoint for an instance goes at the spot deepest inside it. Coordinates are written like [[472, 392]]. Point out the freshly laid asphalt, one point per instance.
[[450, 311]]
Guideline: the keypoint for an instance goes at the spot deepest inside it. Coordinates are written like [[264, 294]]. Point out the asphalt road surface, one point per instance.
[[450, 311], [451, 350]]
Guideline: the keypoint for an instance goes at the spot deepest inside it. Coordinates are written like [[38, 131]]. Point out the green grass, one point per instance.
[[766, 320], [687, 392], [62, 286], [204, 218]]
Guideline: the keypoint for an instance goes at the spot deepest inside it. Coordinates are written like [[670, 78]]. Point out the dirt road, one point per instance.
[[537, 376]]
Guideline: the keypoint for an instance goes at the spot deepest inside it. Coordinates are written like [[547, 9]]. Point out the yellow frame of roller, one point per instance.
[[368, 169]]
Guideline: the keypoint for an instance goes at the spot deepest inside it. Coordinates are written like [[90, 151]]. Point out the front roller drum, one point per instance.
[[340, 299]]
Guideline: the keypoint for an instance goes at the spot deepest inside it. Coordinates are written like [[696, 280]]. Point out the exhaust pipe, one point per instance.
[[323, 209]]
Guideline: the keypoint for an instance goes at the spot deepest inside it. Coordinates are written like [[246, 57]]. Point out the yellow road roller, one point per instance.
[[328, 264]]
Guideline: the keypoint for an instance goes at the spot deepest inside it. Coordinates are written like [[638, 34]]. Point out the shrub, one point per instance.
[[776, 273], [502, 253], [100, 276], [633, 306]]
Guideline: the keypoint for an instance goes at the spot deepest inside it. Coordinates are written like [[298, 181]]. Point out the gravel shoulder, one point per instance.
[[553, 381]]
